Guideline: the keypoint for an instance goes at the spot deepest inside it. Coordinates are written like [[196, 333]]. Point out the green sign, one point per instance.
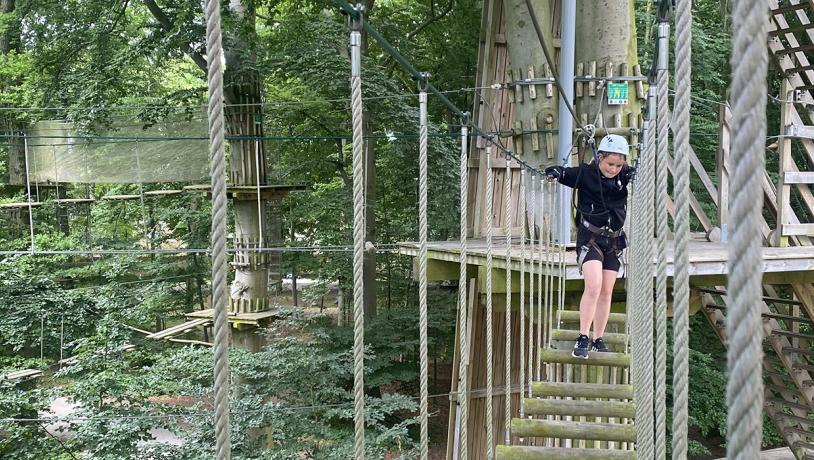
[[617, 94]]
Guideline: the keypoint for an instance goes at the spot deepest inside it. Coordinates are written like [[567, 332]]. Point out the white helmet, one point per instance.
[[613, 143]]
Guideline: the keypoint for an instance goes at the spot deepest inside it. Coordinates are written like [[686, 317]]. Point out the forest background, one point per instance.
[[105, 66]]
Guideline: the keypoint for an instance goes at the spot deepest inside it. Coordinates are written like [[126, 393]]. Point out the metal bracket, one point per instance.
[[356, 23], [423, 81]]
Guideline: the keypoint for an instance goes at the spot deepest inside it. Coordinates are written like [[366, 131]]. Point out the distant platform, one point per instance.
[[239, 319], [708, 261], [249, 192]]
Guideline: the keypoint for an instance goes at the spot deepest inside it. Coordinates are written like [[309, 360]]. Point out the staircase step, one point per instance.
[[800, 420], [573, 430], [582, 390], [801, 351], [561, 453], [548, 355], [793, 334], [782, 402], [617, 409], [571, 336], [572, 316]]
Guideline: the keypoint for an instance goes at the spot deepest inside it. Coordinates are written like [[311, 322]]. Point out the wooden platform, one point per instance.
[[239, 319], [708, 261], [21, 374], [179, 329], [249, 192]]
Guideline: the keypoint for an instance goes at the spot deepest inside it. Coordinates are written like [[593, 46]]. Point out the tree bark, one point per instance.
[[10, 36]]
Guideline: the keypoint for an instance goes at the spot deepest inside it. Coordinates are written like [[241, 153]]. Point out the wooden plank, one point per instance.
[[21, 374], [559, 453], [591, 408], [722, 165], [798, 230], [33, 204], [579, 71], [798, 177], [574, 430], [592, 83], [179, 329], [637, 71], [532, 87]]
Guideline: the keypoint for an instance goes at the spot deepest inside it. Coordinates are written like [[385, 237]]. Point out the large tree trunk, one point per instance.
[[244, 118], [10, 35]]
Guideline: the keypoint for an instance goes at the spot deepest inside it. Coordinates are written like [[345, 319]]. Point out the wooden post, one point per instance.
[[784, 151], [722, 170]]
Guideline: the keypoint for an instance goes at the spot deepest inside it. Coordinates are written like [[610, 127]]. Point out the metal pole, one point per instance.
[[566, 123]]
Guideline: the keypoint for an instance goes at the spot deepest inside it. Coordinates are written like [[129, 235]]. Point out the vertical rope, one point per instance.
[[463, 364], [532, 235], [490, 183], [28, 196], [507, 225], [422, 263], [214, 54], [646, 176], [523, 221], [540, 249], [358, 240], [681, 190], [744, 389], [663, 126], [522, 211]]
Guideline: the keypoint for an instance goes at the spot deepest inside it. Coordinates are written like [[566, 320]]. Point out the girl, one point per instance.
[[601, 212]]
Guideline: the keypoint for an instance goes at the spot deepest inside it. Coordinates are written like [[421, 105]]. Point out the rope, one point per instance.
[[507, 225], [681, 190], [744, 390], [489, 217], [522, 212], [358, 241], [663, 128], [463, 380], [532, 234], [646, 176], [28, 196], [220, 298], [540, 250], [422, 267]]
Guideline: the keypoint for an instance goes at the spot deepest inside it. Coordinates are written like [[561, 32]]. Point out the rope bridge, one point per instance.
[[631, 393]]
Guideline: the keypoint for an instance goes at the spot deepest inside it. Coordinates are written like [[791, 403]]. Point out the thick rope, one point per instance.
[[490, 196], [646, 176], [220, 271], [463, 364], [663, 127], [523, 222], [358, 245], [532, 235], [507, 226], [422, 267], [522, 309], [681, 190], [744, 389], [540, 250]]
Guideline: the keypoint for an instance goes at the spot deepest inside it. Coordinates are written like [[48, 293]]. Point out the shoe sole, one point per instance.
[[579, 357]]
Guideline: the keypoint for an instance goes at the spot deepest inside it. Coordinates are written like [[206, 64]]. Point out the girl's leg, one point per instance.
[[592, 272], [603, 302]]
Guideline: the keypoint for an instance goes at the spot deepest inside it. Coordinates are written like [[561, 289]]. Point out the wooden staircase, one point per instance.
[[788, 365], [584, 409]]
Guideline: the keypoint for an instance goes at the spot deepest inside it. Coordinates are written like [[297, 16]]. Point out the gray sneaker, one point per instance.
[[599, 345], [581, 347]]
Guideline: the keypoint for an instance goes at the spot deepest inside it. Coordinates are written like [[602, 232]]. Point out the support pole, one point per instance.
[[422, 258], [566, 123], [358, 234]]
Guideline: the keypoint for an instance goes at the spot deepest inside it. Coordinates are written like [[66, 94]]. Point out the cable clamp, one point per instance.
[[590, 130], [356, 21], [423, 81]]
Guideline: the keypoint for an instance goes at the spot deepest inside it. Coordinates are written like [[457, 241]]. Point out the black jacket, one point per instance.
[[602, 201]]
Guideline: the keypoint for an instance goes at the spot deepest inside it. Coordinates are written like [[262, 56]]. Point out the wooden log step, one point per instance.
[[548, 355], [22, 374], [618, 409], [571, 336], [179, 329], [572, 316], [561, 453], [524, 427], [582, 390]]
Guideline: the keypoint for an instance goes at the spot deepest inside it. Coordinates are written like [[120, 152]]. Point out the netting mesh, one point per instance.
[[174, 151]]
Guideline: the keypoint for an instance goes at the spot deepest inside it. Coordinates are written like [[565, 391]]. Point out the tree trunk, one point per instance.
[[244, 119], [10, 35]]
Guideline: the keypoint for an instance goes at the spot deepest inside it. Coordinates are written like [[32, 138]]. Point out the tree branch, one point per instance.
[[435, 18], [167, 26]]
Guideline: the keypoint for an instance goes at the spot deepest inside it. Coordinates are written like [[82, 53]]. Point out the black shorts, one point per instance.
[[610, 252]]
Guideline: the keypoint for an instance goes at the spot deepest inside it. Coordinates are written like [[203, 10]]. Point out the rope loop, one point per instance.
[[424, 81], [356, 21]]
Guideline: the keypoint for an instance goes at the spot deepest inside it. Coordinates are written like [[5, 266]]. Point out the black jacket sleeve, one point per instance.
[[571, 177]]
